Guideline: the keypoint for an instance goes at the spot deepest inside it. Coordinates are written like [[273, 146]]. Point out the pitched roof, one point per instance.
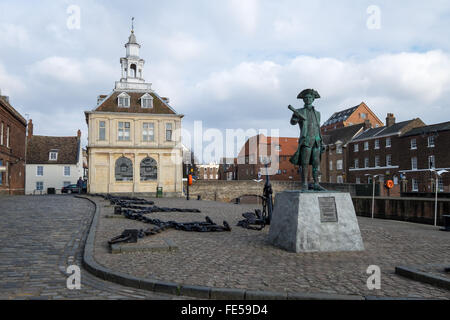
[[428, 129], [344, 134], [159, 105], [5, 103], [39, 147], [383, 131], [341, 115]]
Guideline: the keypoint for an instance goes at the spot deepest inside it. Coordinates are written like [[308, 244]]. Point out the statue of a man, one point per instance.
[[309, 151]]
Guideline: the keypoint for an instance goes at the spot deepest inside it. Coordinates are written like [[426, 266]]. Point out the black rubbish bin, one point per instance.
[[51, 191]]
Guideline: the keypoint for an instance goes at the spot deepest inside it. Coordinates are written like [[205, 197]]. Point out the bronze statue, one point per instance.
[[310, 148]]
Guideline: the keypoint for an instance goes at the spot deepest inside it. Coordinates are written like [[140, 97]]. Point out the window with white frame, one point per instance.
[[339, 165], [388, 160], [148, 131], [366, 162], [377, 161], [169, 132], [123, 100], [356, 163], [431, 162], [66, 171], [124, 131], [358, 180], [413, 144], [102, 130], [53, 155], [1, 173], [147, 101], [431, 141], [440, 184], [388, 142], [415, 185], [377, 144], [339, 149], [1, 133], [7, 136], [331, 165], [414, 163], [340, 179], [39, 185], [40, 171], [356, 148], [366, 145]]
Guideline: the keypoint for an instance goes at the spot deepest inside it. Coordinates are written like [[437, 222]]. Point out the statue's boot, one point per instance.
[[317, 187], [303, 172]]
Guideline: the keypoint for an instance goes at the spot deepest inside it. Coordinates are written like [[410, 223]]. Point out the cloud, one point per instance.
[[71, 70], [13, 35], [10, 84]]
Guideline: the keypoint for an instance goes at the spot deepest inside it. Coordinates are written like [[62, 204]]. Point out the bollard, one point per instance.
[[446, 223]]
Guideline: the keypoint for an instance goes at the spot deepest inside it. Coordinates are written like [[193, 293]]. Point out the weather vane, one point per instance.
[[132, 24]]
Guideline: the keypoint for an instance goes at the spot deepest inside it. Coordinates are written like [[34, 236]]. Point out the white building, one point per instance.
[[52, 162]]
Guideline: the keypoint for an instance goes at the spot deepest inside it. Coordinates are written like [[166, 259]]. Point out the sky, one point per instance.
[[231, 64]]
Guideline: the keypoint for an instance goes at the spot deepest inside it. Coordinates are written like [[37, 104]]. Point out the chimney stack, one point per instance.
[[367, 124], [30, 128], [390, 120], [79, 133]]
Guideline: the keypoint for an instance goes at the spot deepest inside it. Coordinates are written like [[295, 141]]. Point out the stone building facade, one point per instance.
[[12, 149], [134, 143]]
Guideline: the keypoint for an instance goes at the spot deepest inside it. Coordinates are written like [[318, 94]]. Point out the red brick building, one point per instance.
[[351, 116], [228, 169], [422, 149], [378, 151], [333, 166], [250, 160], [12, 149]]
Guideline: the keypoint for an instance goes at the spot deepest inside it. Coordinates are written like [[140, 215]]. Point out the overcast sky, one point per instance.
[[231, 64]]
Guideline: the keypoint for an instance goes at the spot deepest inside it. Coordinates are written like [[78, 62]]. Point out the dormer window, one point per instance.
[[147, 101], [123, 100], [53, 155]]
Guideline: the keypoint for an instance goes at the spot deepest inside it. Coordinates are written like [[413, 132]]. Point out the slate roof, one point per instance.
[[341, 115], [383, 131], [159, 106], [39, 147], [7, 106], [428, 129], [344, 134]]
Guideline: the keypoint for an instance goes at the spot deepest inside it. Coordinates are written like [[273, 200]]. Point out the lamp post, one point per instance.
[[373, 190], [436, 185]]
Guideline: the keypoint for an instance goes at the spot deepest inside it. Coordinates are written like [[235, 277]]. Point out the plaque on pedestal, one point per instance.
[[315, 221]]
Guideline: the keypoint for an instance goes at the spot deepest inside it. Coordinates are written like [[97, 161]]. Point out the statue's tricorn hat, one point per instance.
[[302, 94]]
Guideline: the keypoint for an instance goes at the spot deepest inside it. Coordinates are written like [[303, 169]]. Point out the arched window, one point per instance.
[[124, 169], [149, 169], [133, 71]]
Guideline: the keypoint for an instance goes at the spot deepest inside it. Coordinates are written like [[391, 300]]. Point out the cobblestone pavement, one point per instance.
[[243, 259], [41, 236]]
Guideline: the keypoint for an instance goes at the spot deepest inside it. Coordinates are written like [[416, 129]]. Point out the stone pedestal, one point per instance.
[[315, 221]]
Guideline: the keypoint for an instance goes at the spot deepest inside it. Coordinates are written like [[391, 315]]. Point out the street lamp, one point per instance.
[[373, 189], [436, 185]]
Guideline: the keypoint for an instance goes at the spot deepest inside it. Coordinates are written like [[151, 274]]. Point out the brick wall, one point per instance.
[[404, 209], [227, 191], [13, 181]]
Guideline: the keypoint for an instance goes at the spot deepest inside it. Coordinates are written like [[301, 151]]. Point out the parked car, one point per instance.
[[71, 188]]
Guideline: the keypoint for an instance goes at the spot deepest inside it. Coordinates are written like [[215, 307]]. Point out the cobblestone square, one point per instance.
[[243, 259]]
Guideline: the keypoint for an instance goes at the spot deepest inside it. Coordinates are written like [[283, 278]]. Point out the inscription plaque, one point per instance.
[[328, 212]]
